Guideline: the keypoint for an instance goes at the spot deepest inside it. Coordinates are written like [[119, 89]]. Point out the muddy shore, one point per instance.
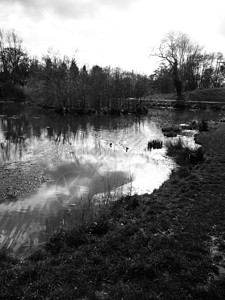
[[17, 179]]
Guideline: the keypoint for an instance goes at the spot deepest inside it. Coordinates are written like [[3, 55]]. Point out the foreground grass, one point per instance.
[[167, 245]]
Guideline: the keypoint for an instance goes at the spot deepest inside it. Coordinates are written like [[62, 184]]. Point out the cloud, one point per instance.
[[222, 26], [119, 4], [66, 8]]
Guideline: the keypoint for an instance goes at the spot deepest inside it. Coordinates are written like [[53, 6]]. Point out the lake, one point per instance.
[[85, 158]]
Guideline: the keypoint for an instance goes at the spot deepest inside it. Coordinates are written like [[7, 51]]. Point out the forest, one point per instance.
[[58, 82]]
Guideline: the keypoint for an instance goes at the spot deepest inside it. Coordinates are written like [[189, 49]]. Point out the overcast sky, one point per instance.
[[112, 32]]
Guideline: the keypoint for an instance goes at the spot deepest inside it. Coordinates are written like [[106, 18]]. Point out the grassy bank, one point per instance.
[[201, 95], [212, 95], [167, 245]]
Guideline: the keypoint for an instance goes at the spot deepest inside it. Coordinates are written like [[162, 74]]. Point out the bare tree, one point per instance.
[[176, 50], [14, 61]]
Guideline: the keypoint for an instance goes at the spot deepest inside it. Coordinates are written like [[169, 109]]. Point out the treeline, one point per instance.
[[62, 84], [59, 82]]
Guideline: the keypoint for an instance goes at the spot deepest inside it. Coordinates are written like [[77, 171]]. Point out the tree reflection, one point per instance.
[[24, 128]]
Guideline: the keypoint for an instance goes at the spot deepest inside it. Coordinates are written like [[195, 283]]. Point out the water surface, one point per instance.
[[86, 159]]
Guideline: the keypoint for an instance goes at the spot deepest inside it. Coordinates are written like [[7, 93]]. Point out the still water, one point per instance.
[[86, 159]]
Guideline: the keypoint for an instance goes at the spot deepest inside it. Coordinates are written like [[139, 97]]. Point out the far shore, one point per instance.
[[205, 99]]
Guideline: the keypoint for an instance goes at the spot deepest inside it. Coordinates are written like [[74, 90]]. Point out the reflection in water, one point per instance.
[[87, 158], [26, 222]]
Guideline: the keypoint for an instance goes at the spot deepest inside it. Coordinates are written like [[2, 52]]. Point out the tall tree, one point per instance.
[[14, 62], [177, 50]]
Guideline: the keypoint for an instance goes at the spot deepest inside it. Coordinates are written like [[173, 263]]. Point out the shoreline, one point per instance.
[[166, 245]]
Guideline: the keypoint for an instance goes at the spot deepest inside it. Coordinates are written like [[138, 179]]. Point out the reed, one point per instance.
[[154, 144]]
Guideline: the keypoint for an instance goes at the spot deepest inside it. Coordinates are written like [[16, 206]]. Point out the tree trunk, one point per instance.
[[176, 78], [178, 86]]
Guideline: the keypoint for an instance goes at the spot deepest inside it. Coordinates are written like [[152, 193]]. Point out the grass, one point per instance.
[[201, 95], [147, 247], [182, 154], [212, 95]]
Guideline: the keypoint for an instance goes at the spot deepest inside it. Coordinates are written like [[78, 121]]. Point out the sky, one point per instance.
[[115, 33]]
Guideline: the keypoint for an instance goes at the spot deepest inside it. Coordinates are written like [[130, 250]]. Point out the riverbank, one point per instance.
[[167, 245]]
